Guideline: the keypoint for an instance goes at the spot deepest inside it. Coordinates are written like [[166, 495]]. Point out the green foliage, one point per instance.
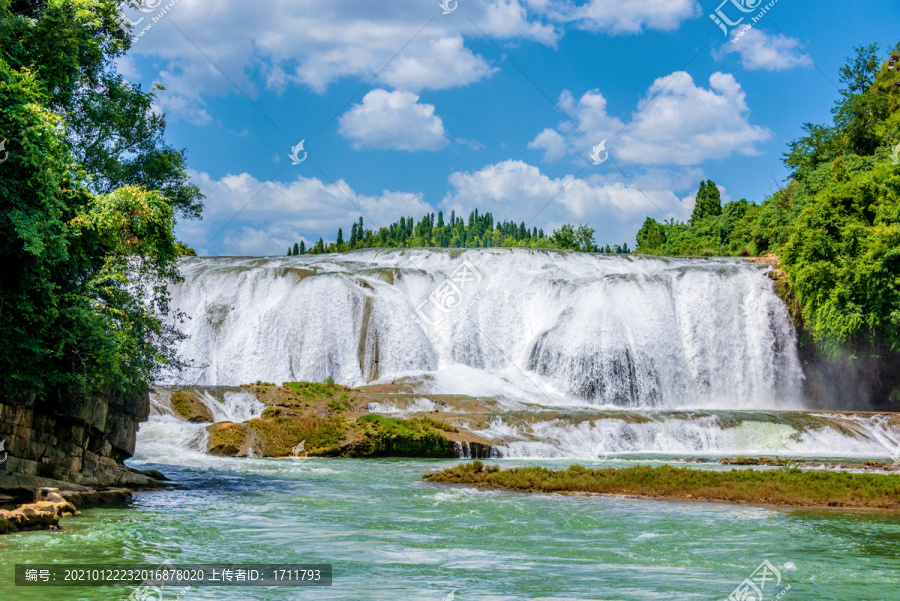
[[387, 436], [479, 231], [709, 202], [283, 433], [88, 198]]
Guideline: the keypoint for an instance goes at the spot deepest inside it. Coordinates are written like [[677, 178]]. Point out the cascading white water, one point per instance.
[[546, 327], [164, 438], [708, 433]]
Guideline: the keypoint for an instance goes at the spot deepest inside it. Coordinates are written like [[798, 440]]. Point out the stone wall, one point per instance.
[[73, 440]]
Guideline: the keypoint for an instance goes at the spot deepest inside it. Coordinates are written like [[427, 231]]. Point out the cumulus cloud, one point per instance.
[[393, 120], [283, 211], [677, 123], [632, 16], [761, 51], [616, 206], [316, 43], [685, 124], [552, 143]]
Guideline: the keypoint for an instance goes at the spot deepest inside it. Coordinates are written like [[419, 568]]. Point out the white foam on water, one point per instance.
[[164, 438], [838, 436]]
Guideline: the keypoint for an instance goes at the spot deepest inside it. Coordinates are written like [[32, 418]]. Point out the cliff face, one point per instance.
[[79, 441], [856, 379]]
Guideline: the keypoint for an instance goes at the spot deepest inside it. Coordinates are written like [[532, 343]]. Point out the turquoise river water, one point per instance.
[[391, 536]]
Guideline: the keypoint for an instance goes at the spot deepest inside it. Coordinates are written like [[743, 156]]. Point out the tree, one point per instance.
[[111, 129], [302, 249], [340, 238], [296, 249], [651, 237], [88, 199], [709, 202]]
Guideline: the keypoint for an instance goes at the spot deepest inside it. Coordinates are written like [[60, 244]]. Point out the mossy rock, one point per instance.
[[226, 439], [282, 433], [189, 408], [391, 437]]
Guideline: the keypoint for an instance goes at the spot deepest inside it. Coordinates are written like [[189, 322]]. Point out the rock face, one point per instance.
[[71, 442]]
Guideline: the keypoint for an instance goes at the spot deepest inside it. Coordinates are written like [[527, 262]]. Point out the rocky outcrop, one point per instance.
[[73, 442]]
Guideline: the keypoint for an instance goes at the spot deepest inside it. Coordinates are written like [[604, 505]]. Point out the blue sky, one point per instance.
[[495, 105]]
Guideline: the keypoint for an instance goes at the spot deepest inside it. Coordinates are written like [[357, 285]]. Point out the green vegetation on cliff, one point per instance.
[[479, 231], [780, 487], [835, 225], [89, 193]]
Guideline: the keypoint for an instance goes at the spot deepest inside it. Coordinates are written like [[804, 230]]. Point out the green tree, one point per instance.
[[296, 250], [88, 199], [709, 202]]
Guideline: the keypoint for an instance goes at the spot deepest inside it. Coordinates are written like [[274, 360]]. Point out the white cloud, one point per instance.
[[520, 192], [306, 208], [316, 43], [285, 210], [273, 239], [759, 50], [393, 120], [552, 143], [446, 63], [683, 124], [631, 16], [677, 123]]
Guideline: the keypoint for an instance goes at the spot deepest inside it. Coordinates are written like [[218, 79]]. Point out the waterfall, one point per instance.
[[525, 326], [164, 438]]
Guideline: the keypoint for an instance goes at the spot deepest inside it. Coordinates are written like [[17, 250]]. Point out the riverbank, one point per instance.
[[791, 487]]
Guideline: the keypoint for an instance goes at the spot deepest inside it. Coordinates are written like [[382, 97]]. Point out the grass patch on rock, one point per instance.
[[226, 438], [390, 436], [780, 487], [320, 435], [188, 407]]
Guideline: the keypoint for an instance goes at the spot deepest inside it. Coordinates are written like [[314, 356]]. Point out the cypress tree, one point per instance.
[[296, 249], [709, 202]]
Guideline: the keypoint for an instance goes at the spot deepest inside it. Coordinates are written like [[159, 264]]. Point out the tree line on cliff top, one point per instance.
[[479, 231]]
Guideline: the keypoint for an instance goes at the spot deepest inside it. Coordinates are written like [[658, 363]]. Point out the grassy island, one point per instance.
[[779, 487]]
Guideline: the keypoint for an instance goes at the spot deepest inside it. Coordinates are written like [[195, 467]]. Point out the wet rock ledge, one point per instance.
[[329, 420]]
